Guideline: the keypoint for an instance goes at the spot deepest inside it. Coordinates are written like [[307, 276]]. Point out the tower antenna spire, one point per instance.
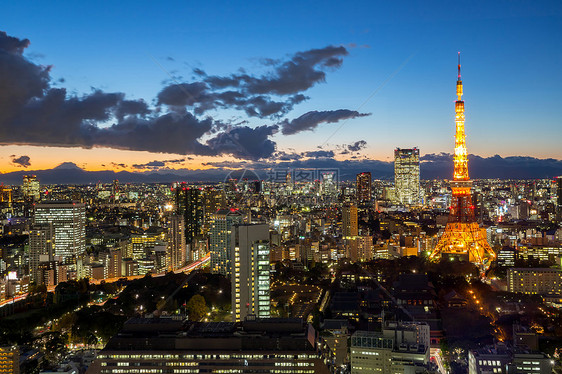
[[459, 66]]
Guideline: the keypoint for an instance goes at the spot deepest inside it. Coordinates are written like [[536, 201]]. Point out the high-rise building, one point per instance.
[[115, 191], [30, 187], [328, 182], [5, 199], [363, 187], [141, 243], [189, 204], [177, 250], [250, 271], [69, 223], [41, 245], [407, 176], [219, 239], [462, 234], [350, 226], [213, 200], [559, 198], [115, 263]]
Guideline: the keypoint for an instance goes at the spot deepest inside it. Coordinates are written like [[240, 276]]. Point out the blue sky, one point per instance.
[[511, 55]]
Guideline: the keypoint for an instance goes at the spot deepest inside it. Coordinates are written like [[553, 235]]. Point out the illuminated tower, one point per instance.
[[462, 234]]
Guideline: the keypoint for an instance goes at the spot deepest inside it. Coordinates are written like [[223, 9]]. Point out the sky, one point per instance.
[[141, 86]]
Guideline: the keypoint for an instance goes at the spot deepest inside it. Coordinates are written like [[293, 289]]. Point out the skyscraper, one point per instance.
[[30, 187], [189, 204], [559, 198], [462, 234], [328, 182], [213, 200], [177, 250], [407, 176], [250, 271], [69, 223], [41, 244], [219, 239], [363, 187], [350, 226], [5, 199], [115, 191]]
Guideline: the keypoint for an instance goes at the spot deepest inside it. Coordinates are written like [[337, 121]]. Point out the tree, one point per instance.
[[196, 308]]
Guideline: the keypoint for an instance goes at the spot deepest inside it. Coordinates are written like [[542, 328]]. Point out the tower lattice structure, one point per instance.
[[462, 234]]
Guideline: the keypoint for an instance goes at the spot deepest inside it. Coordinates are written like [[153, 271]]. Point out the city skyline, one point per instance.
[[396, 95]]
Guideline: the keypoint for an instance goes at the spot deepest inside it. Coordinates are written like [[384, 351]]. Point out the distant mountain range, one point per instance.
[[433, 166]]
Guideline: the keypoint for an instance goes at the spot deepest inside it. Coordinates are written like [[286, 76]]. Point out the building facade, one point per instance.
[[534, 281], [363, 188], [166, 345], [41, 245], [31, 188], [399, 348], [219, 239], [350, 224], [177, 249], [189, 204], [250, 279], [407, 176], [69, 224]]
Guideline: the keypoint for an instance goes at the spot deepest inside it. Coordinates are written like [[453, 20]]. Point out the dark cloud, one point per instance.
[[201, 98], [150, 165], [21, 161], [155, 165], [11, 44], [357, 146], [245, 142], [169, 133], [310, 120], [317, 154], [298, 74], [285, 156], [34, 111], [253, 94], [131, 107]]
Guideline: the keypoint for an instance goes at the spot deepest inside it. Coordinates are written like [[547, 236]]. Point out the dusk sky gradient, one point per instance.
[[400, 68]]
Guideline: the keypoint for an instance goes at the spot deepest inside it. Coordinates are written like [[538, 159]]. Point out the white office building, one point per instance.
[[69, 224], [250, 279], [407, 176], [219, 239]]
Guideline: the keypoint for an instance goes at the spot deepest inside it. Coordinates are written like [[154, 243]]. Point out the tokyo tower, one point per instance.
[[462, 234]]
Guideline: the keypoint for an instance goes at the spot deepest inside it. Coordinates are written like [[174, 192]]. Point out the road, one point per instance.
[[437, 356], [186, 269]]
